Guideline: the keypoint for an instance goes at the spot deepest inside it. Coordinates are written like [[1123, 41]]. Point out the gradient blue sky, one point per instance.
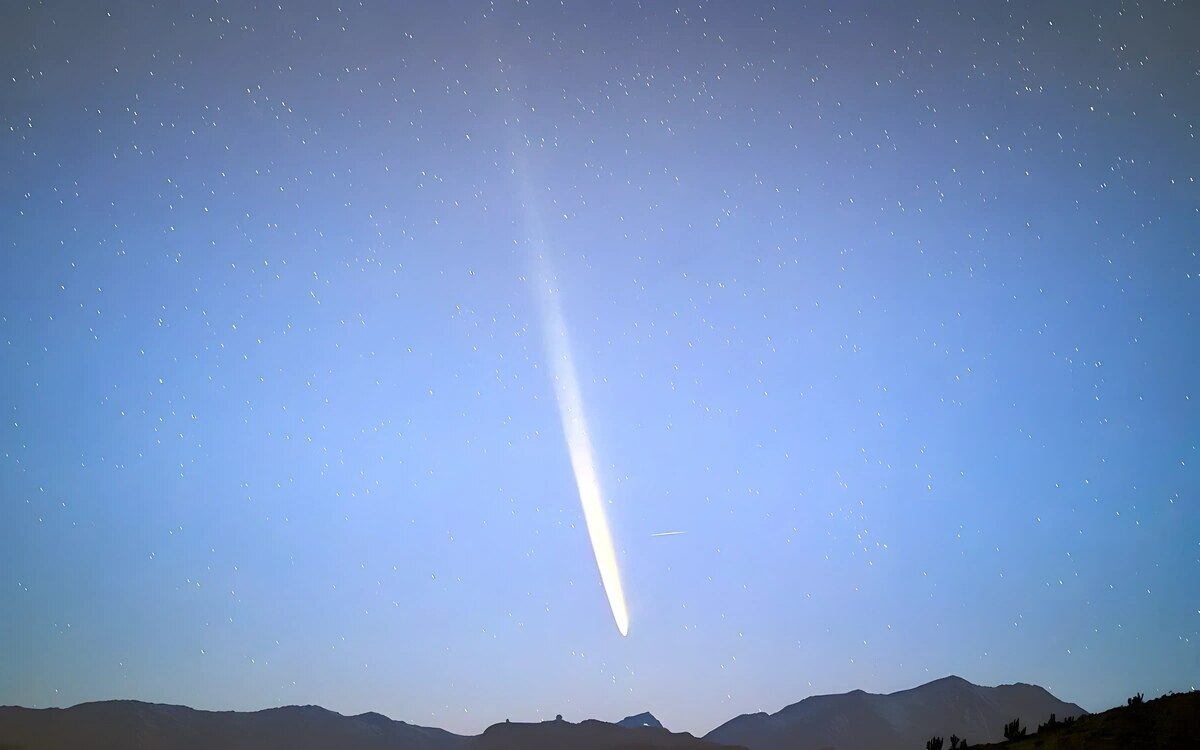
[[894, 311]]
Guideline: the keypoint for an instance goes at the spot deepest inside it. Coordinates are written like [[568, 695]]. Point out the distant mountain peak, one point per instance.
[[951, 678], [307, 708], [644, 719], [373, 717], [858, 720]]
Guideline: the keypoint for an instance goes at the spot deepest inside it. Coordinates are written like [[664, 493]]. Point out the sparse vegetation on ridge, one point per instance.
[[1171, 722]]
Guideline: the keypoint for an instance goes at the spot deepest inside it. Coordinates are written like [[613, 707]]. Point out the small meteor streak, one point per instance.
[[579, 445], [669, 533]]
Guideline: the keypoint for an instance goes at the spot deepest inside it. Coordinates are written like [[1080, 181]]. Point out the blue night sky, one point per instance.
[[894, 312]]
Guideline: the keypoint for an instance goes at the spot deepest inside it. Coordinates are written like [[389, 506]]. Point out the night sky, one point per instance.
[[893, 311]]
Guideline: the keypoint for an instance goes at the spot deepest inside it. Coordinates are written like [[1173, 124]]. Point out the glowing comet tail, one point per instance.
[[579, 445]]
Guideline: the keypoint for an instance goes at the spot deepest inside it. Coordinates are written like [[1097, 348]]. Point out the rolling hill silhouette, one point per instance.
[[586, 735], [133, 725], [866, 721], [1171, 722], [851, 721]]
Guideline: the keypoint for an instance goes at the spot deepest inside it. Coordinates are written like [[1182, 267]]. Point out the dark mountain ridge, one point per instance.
[[133, 725], [862, 721], [1171, 722], [851, 721], [586, 735], [644, 719]]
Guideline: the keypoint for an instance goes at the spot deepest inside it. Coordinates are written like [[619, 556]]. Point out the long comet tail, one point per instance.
[[567, 394], [579, 445]]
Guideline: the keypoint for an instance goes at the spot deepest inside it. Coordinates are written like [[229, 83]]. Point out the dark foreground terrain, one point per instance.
[[852, 721], [1171, 722]]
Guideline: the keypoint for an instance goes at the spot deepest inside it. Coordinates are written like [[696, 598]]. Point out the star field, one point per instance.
[[892, 309]]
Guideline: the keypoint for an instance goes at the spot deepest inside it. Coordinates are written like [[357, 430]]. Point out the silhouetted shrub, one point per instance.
[[1013, 730], [1068, 721], [934, 744], [1049, 725], [954, 742], [1136, 700]]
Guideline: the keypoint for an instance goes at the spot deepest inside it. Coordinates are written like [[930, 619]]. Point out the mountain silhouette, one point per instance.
[[866, 721], [110, 725], [586, 735], [851, 721], [133, 725], [1171, 722], [645, 719]]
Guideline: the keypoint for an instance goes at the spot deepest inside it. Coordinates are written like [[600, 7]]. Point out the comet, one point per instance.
[[579, 445], [567, 393]]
